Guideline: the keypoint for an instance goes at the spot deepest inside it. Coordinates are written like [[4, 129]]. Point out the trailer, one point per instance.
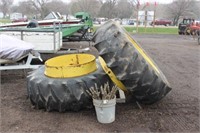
[[49, 39], [44, 40]]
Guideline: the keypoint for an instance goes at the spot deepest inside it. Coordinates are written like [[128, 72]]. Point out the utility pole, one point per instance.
[[146, 16], [154, 16], [145, 19], [137, 15]]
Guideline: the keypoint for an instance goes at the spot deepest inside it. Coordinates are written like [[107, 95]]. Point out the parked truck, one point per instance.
[[164, 22]]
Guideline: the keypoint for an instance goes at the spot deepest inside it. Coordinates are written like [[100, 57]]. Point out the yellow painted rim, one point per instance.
[[112, 76], [72, 65], [141, 51]]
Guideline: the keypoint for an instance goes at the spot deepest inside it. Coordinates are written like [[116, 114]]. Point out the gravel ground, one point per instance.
[[178, 58]]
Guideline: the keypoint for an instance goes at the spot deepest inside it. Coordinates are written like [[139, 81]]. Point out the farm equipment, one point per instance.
[[82, 25], [182, 27], [189, 27], [81, 31], [47, 40], [50, 39], [63, 82], [49, 20]]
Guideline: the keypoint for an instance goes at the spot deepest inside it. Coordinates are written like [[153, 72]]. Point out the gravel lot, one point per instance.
[[177, 56]]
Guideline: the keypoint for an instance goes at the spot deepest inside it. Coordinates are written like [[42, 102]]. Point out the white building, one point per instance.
[[16, 16], [145, 16], [1, 15]]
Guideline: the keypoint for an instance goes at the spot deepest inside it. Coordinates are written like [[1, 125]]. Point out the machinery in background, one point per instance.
[[189, 27]]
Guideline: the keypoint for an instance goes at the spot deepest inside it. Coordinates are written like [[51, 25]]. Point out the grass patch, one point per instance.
[[150, 30], [5, 21]]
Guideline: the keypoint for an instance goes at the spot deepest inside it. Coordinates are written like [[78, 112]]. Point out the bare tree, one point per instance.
[[58, 6], [124, 9], [136, 6], [181, 8], [108, 9], [31, 8], [25, 8], [90, 6], [134, 3], [40, 6], [101, 1], [5, 6]]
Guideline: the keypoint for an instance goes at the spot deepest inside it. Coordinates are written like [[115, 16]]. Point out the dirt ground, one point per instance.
[[179, 59]]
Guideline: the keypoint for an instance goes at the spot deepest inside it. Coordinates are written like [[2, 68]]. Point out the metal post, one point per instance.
[[137, 20], [22, 35], [154, 17], [54, 40], [145, 21]]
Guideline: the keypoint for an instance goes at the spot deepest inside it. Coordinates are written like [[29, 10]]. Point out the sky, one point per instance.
[[158, 1], [141, 1]]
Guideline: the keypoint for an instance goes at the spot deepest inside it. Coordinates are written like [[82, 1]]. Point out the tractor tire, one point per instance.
[[143, 82], [63, 94], [187, 31]]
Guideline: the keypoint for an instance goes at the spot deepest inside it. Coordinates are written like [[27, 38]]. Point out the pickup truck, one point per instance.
[[164, 22]]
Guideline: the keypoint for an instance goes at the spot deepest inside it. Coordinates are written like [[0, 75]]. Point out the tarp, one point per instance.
[[12, 48]]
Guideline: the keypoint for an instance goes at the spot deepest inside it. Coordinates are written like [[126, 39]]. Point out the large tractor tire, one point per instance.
[[63, 94], [130, 63]]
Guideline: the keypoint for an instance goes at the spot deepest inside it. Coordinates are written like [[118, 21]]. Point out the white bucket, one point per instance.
[[105, 110]]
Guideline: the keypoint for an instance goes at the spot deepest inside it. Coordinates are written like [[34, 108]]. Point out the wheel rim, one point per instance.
[[72, 65]]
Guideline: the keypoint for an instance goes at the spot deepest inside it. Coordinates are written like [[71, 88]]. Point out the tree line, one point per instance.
[[102, 8]]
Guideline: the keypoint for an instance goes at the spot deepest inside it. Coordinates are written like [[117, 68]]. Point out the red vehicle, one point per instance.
[[164, 22]]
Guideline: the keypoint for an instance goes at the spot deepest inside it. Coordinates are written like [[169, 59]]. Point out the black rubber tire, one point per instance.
[[187, 31], [145, 85], [66, 94]]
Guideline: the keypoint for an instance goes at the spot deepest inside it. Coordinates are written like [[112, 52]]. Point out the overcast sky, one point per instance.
[[158, 1], [141, 1]]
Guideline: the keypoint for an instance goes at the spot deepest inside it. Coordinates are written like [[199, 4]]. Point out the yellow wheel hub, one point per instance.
[[72, 65]]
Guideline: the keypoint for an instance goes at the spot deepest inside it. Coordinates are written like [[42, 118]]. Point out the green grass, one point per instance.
[[151, 30], [5, 21]]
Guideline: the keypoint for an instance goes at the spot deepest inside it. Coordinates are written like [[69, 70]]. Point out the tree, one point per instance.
[[25, 8], [134, 3], [136, 6], [108, 9], [40, 6], [124, 9], [5, 6], [181, 8], [90, 6], [58, 6]]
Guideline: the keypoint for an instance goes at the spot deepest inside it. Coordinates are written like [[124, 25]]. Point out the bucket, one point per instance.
[[105, 110]]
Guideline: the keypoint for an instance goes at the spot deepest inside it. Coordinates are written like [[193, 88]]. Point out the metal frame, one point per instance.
[[56, 29], [27, 65]]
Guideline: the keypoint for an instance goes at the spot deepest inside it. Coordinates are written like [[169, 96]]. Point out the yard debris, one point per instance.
[[102, 93]]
